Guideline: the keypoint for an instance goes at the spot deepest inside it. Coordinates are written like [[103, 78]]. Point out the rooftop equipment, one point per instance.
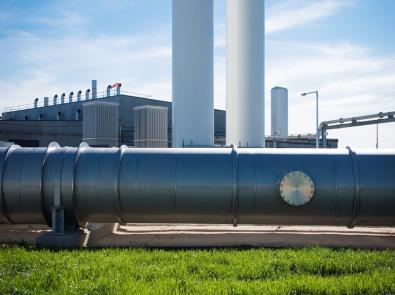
[[35, 102], [71, 96], [94, 89], [245, 114], [279, 111], [118, 88], [217, 185], [193, 47], [79, 93], [150, 126], [100, 125], [87, 94], [62, 98], [55, 99], [46, 101]]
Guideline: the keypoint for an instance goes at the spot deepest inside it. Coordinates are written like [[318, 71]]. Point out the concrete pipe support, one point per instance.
[[197, 185]]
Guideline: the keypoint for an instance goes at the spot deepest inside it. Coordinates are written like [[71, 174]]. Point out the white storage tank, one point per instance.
[[151, 126], [193, 50], [279, 111], [245, 69], [100, 125]]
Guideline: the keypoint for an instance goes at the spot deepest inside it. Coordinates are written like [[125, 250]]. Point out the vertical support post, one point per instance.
[[57, 209], [317, 144], [58, 237], [323, 131]]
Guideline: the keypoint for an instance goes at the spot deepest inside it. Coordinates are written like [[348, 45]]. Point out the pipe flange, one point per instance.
[[296, 188]]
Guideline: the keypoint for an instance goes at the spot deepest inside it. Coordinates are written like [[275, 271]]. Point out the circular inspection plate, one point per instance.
[[296, 188]]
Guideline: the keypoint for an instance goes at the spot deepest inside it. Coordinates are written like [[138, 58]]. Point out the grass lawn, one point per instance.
[[218, 271]]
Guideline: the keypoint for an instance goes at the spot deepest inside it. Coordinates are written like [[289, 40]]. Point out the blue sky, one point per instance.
[[343, 48]]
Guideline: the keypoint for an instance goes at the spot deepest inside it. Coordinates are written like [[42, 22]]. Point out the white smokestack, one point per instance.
[[279, 111], [245, 62], [193, 47]]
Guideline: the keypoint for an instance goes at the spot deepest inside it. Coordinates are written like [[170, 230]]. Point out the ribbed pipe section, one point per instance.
[[235, 186]]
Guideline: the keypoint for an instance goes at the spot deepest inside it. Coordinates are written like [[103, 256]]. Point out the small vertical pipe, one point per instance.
[[79, 95], [323, 137], [119, 85], [62, 97], [94, 89], [87, 94], [55, 99], [36, 103], [108, 90], [46, 101], [71, 96]]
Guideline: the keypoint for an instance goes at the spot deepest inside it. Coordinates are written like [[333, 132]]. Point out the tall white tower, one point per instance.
[[245, 62], [193, 49], [279, 111]]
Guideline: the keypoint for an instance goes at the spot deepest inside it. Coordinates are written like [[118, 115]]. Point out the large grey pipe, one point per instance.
[[223, 185]]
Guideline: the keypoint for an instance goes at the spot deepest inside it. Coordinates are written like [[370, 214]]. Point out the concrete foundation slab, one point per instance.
[[200, 235], [66, 240]]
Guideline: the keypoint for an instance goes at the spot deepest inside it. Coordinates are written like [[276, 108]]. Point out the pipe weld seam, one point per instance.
[[3, 209], [356, 189], [235, 194], [119, 166]]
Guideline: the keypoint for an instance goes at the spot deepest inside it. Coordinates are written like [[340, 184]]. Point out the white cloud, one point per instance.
[[352, 80], [44, 66], [295, 13]]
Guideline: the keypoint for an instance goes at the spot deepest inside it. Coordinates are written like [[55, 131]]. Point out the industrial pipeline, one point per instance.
[[198, 185]]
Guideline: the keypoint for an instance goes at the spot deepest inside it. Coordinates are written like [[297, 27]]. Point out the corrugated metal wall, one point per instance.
[[101, 124], [150, 126]]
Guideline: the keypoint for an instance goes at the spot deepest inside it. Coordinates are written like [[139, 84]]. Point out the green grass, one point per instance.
[[218, 271]]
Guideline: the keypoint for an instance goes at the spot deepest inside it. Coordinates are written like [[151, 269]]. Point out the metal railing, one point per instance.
[[101, 94], [373, 119]]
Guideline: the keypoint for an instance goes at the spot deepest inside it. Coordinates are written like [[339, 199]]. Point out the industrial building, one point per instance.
[[40, 124], [63, 123], [66, 122]]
